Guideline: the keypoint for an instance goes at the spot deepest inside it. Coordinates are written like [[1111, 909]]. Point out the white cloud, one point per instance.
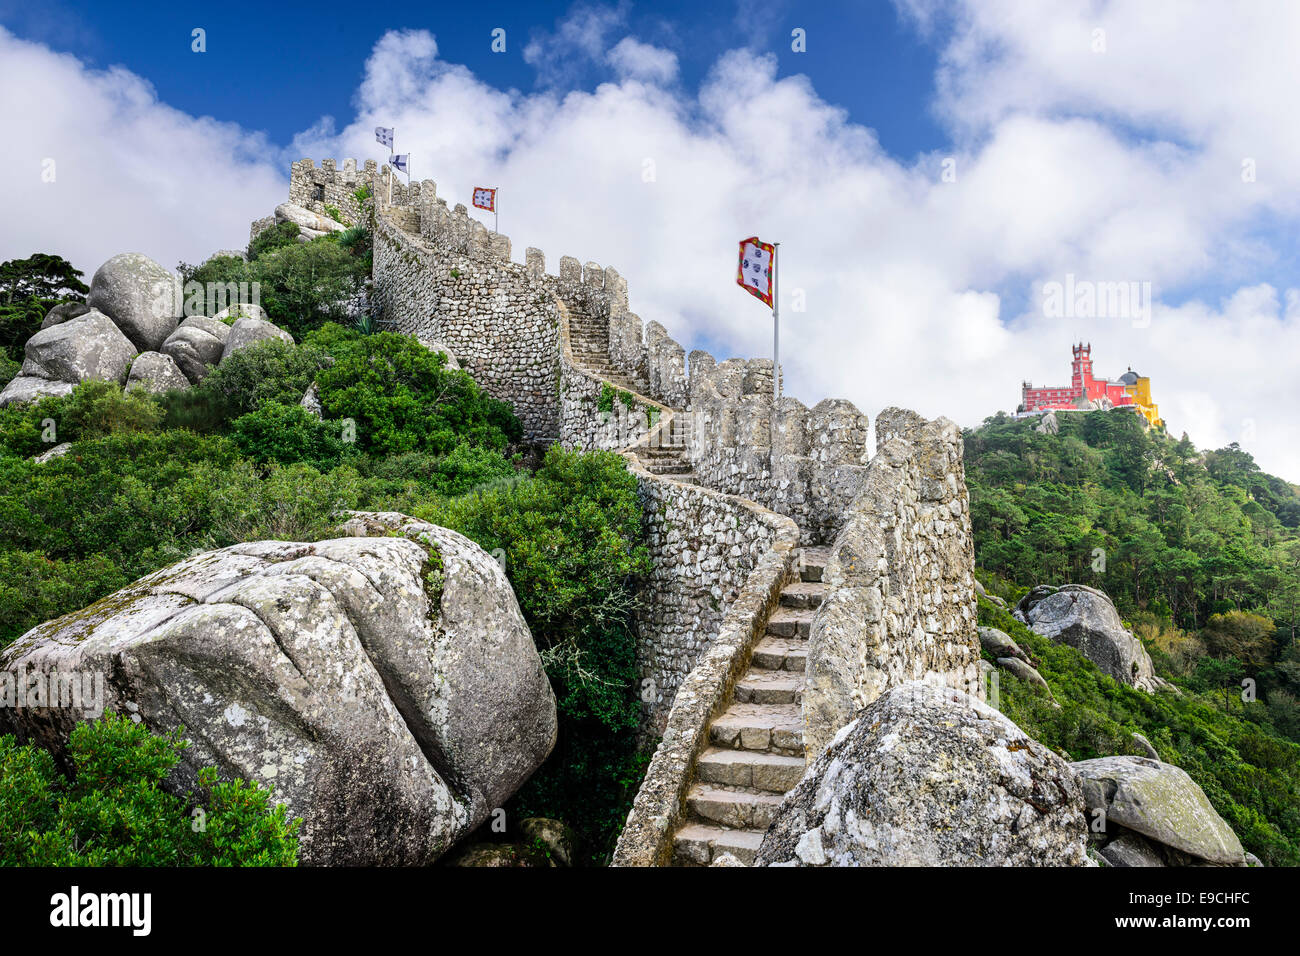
[[913, 285], [634, 60], [130, 172]]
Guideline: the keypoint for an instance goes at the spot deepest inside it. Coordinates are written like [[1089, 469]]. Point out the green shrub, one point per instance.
[[571, 536], [280, 235], [287, 434], [115, 812], [36, 588], [268, 372], [306, 285], [403, 397]]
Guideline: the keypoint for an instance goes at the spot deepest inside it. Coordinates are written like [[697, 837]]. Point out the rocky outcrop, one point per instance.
[[311, 225], [1155, 815], [197, 344], [1085, 618], [155, 372], [387, 687], [140, 296], [64, 311], [59, 357], [247, 331], [33, 388], [928, 776], [1000, 644], [89, 346]]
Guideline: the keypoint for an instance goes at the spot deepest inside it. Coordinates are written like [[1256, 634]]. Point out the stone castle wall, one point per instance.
[[901, 604], [442, 276], [315, 187]]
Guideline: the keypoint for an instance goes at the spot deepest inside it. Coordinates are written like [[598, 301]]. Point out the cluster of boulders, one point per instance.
[[132, 330], [1003, 649], [1146, 813], [384, 682], [929, 776]]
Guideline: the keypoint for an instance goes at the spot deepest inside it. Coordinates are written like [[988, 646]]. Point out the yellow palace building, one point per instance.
[[1139, 386]]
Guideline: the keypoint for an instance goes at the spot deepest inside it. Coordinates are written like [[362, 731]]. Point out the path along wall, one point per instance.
[[440, 276]]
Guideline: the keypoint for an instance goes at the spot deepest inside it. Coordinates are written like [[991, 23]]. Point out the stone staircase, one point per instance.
[[755, 750], [589, 342]]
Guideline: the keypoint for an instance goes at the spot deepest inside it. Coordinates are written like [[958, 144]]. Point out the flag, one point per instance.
[[384, 135], [485, 198], [398, 162], [755, 272]]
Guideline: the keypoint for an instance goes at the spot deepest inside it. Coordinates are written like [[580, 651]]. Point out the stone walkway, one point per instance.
[[755, 754]]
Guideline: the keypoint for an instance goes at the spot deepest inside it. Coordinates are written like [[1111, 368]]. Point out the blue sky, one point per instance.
[[313, 56], [1099, 139]]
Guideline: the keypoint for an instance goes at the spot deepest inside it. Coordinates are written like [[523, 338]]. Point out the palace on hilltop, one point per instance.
[[1086, 393]]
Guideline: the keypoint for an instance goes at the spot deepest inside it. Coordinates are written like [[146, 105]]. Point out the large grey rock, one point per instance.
[[247, 331], [197, 345], [1161, 802], [1027, 673], [140, 296], [155, 372], [434, 345], [1085, 618], [58, 451], [62, 312], [927, 776], [306, 220], [1131, 849], [32, 388], [1000, 644], [388, 688], [89, 346]]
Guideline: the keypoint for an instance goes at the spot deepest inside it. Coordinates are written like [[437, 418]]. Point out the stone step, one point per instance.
[[736, 807], [773, 773], [781, 654], [790, 622], [769, 687], [772, 728], [700, 843], [803, 594], [813, 560], [672, 469]]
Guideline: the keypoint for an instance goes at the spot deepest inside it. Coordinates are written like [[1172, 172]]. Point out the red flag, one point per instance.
[[485, 198], [754, 274]]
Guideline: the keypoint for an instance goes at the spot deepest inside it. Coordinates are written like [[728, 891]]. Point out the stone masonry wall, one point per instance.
[[901, 604], [490, 312]]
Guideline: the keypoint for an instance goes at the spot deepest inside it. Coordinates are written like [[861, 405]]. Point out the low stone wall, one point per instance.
[[705, 550], [660, 802], [901, 604]]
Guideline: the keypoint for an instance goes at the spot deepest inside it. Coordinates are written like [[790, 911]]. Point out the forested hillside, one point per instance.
[[1200, 552], [150, 479]]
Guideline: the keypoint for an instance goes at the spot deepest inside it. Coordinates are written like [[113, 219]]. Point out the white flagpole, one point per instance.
[[496, 209], [776, 335]]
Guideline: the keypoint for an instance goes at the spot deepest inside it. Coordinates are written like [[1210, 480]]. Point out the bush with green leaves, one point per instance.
[[280, 235], [113, 809], [573, 549], [403, 397], [287, 434]]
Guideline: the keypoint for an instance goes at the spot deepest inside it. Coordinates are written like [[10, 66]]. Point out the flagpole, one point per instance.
[[496, 210], [776, 335]]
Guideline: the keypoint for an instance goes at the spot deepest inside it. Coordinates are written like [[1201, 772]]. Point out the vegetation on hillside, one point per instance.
[[152, 479], [1201, 554]]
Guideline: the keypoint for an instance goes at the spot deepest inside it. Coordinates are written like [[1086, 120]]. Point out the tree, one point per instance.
[[29, 288]]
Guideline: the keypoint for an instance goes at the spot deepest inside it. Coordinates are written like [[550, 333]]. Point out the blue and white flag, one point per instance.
[[384, 135], [398, 162]]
